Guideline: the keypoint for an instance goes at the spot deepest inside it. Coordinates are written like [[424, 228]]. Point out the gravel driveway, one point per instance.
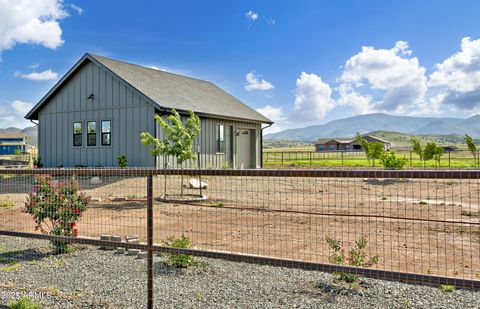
[[92, 278]]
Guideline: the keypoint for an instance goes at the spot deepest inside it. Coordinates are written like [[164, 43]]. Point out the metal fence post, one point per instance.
[[282, 157], [310, 154], [410, 158], [449, 159], [150, 241]]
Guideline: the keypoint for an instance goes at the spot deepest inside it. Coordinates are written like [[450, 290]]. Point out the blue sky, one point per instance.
[[298, 62]]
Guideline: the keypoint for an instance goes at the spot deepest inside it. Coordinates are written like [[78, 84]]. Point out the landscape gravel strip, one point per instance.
[[93, 278]]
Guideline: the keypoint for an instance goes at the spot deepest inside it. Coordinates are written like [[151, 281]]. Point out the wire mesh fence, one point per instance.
[[419, 226]]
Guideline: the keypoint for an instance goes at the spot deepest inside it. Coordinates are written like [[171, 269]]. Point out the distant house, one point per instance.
[[13, 143], [347, 144], [98, 110]]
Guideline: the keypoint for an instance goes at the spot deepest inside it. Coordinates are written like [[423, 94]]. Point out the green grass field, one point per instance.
[[461, 159]]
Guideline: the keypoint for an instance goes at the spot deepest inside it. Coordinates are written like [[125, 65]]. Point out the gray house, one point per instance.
[[97, 111]]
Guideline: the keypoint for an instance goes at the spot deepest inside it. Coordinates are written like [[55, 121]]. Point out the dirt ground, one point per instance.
[[419, 226]]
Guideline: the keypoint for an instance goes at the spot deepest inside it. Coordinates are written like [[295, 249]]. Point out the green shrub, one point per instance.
[[180, 260], [391, 161], [56, 207], [356, 257], [24, 303], [37, 162], [447, 288], [122, 161]]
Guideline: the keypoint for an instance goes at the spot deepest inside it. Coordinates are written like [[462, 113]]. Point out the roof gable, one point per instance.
[[167, 91]]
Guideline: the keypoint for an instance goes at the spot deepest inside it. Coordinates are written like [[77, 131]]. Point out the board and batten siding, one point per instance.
[[209, 158], [129, 111]]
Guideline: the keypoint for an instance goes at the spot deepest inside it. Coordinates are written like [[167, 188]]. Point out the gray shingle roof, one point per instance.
[[168, 91], [180, 92]]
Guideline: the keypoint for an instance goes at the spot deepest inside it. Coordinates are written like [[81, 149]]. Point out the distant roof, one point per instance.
[[12, 135], [338, 140], [348, 140], [377, 138], [170, 90]]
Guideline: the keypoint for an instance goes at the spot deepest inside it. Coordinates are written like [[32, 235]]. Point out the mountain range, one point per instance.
[[31, 132], [348, 127]]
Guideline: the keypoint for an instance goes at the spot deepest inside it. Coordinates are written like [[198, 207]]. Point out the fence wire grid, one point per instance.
[[422, 226]]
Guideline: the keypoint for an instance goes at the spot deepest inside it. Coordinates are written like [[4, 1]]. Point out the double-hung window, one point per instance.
[[106, 133], [91, 133], [77, 134]]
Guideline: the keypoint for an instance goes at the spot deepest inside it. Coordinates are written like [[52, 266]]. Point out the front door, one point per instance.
[[243, 148]]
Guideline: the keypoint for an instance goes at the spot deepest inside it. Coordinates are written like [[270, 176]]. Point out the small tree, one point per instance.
[[375, 151], [432, 152], [56, 208], [391, 161], [356, 256], [417, 148], [472, 148], [437, 155], [122, 161], [364, 144], [178, 137]]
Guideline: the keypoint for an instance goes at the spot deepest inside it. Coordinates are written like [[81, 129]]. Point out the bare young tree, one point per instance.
[[178, 138]]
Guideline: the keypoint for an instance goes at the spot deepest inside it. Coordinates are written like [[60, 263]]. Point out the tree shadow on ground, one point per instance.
[[386, 181], [119, 206], [161, 268], [26, 255], [16, 184]]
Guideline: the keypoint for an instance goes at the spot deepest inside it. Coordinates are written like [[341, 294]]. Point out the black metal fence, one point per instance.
[[15, 161], [418, 226]]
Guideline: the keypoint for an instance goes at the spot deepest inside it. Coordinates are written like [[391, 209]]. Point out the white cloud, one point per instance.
[[78, 9], [400, 79], [257, 83], [40, 76], [312, 98], [31, 22], [12, 114], [251, 15], [276, 115], [271, 21], [348, 96], [458, 77]]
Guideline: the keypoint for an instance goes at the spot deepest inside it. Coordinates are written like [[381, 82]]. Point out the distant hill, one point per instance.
[[347, 127], [402, 139], [31, 132], [278, 143]]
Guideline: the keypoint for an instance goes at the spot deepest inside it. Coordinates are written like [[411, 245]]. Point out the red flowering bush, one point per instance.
[[56, 207]]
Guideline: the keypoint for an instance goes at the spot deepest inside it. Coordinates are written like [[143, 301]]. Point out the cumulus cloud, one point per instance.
[[313, 98], [12, 114], [362, 104], [251, 16], [276, 115], [31, 22], [400, 79], [39, 76], [458, 77], [256, 83]]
